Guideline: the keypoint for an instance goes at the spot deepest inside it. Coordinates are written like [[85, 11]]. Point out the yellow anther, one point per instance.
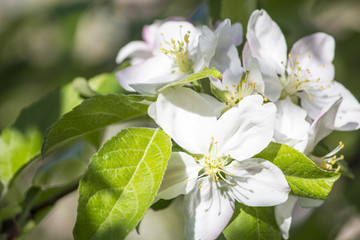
[[337, 169], [234, 165], [342, 157], [216, 142], [265, 99], [195, 159], [323, 65], [234, 85], [247, 72], [234, 184], [186, 180], [308, 55], [297, 56], [200, 186], [322, 87], [289, 55], [226, 87], [282, 62]]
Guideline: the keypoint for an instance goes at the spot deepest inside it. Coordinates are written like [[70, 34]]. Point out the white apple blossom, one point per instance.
[[223, 170], [166, 55], [307, 72]]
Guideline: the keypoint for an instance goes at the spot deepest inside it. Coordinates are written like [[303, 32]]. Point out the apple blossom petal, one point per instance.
[[144, 71], [236, 33], [291, 124], [323, 125], [315, 53], [154, 84], [267, 44], [181, 167], [208, 209], [205, 49], [175, 30], [258, 182], [251, 64], [186, 117], [245, 129], [134, 49], [149, 33], [283, 215]]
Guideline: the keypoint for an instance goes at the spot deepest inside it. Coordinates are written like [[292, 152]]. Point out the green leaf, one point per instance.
[[93, 114], [121, 183], [106, 83], [16, 148], [69, 166], [238, 11], [21, 142], [206, 72], [252, 223], [305, 178]]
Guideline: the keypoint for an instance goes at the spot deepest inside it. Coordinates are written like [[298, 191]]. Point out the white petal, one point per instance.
[[134, 49], [205, 49], [245, 129], [181, 167], [175, 30], [236, 33], [267, 44], [186, 117], [207, 210], [251, 64], [283, 215], [316, 53], [144, 72], [258, 183], [291, 125], [348, 115], [323, 125]]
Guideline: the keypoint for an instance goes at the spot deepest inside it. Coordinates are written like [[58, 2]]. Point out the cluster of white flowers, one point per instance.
[[286, 98]]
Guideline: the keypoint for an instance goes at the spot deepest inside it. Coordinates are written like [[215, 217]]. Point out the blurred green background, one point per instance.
[[46, 43]]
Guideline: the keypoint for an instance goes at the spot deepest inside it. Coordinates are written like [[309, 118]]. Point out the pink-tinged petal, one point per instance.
[[245, 129], [186, 117], [315, 53], [267, 44], [208, 209], [236, 33], [258, 182], [135, 49], [283, 215], [180, 176], [291, 127], [144, 72], [323, 125], [149, 33]]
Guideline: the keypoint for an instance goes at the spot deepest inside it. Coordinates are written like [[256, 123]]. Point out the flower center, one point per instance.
[[299, 79], [178, 51], [238, 92], [329, 161]]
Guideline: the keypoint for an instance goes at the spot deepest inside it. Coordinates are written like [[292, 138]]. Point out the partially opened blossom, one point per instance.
[[166, 55], [222, 170], [218, 49], [306, 73]]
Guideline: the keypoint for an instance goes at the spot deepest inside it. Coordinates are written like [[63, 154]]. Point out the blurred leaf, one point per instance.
[[22, 142], [122, 181], [67, 167], [81, 85], [91, 115], [16, 149], [304, 177], [106, 83], [193, 77], [253, 223], [161, 204], [238, 11]]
